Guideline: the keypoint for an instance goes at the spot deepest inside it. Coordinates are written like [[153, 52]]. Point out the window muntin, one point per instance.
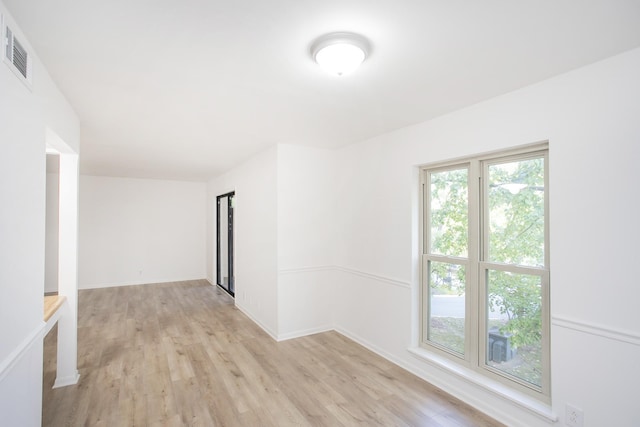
[[501, 278]]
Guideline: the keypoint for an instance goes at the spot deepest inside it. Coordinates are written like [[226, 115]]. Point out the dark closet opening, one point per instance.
[[224, 251]]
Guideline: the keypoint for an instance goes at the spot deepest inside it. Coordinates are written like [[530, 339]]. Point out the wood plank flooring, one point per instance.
[[181, 354]]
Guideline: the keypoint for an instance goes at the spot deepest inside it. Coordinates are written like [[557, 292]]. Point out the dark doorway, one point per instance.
[[224, 251]]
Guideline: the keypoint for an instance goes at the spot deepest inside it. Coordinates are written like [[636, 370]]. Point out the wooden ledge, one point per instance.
[[51, 305]]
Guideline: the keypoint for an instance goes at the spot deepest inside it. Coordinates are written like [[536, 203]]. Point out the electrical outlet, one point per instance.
[[573, 416]]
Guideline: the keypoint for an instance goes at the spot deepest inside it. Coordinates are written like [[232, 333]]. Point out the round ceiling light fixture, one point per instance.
[[340, 53]]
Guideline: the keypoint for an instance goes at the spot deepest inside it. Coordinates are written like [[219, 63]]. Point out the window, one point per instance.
[[485, 292]]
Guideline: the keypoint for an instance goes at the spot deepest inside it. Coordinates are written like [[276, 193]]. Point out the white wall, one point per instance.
[[51, 231], [135, 231], [24, 117], [306, 227], [284, 238], [590, 118], [366, 284], [306, 206], [255, 228]]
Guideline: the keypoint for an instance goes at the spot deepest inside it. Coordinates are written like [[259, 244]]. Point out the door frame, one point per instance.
[[230, 195]]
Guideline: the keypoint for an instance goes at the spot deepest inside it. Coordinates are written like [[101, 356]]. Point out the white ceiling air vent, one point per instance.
[[17, 56]]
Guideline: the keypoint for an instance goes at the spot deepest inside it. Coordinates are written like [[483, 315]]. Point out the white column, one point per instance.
[[67, 372]]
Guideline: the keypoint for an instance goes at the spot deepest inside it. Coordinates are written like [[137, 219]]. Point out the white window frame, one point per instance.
[[477, 266]]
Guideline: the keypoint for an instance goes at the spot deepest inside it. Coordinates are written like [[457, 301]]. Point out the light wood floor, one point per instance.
[[181, 354]]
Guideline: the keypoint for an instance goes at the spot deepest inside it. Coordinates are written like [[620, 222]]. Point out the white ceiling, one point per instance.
[[187, 89]]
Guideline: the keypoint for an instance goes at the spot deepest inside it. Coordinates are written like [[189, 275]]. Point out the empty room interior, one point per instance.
[[319, 213]]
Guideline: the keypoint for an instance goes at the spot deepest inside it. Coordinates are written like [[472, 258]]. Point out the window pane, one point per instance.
[[516, 212], [449, 212], [445, 325], [514, 320]]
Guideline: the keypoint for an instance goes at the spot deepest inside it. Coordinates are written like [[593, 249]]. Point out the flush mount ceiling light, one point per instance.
[[340, 53]]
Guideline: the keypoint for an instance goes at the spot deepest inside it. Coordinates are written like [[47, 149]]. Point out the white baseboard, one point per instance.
[[305, 332], [244, 311], [465, 395], [136, 283]]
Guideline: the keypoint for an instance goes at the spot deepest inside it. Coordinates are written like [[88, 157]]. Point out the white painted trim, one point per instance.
[[14, 357], [306, 269], [627, 337], [304, 333], [538, 408], [137, 283], [377, 278], [256, 321], [320, 268], [541, 410], [67, 381]]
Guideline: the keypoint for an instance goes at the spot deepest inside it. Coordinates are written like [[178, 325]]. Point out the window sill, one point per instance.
[[526, 402]]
